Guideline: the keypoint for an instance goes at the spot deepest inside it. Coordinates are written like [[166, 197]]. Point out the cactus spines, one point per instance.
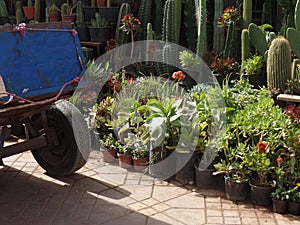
[[247, 13], [169, 27], [150, 37], [201, 30], [178, 9], [144, 17], [19, 16], [3, 9], [120, 35], [258, 38], [37, 10], [279, 63], [218, 32], [229, 41], [245, 47]]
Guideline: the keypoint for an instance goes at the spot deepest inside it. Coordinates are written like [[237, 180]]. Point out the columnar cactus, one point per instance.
[[150, 37], [279, 63], [245, 47], [158, 17], [295, 64], [19, 12], [3, 9], [37, 10], [218, 44], [229, 40], [178, 9], [120, 35], [80, 15], [189, 23], [201, 16], [144, 14], [247, 13], [169, 27]]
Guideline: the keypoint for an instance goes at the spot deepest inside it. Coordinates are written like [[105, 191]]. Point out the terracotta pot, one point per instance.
[[101, 3], [109, 156], [29, 11], [279, 206], [67, 18], [54, 17], [125, 161], [140, 164], [260, 195]]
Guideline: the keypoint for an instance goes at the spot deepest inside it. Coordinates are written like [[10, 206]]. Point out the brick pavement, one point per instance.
[[107, 194]]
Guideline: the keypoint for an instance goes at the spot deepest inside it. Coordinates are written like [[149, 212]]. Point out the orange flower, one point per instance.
[[179, 75], [279, 161], [261, 146], [298, 185]]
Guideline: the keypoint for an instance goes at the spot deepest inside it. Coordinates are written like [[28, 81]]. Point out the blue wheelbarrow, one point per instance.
[[40, 67]]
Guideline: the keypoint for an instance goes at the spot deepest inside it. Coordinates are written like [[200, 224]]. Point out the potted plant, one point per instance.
[[109, 147], [99, 29], [294, 199], [279, 200], [125, 157], [253, 69], [29, 10], [53, 13], [90, 10], [67, 11], [107, 10], [3, 13], [81, 28]]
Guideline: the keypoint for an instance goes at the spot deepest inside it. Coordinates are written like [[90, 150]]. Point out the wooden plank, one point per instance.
[[288, 98]]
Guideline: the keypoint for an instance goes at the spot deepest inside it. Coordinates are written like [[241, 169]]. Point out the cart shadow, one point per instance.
[[78, 199]]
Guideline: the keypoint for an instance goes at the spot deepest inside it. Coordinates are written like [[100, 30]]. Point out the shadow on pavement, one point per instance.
[[26, 199]]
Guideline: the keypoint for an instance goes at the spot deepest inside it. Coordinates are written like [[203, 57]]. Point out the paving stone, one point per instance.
[[130, 219], [232, 220], [161, 207], [191, 198], [190, 216], [214, 212], [162, 219], [214, 220]]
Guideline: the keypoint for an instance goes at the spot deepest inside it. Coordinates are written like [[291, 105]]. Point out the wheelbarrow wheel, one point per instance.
[[72, 143]]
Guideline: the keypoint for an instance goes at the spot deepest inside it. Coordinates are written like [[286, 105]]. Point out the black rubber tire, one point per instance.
[[73, 136]]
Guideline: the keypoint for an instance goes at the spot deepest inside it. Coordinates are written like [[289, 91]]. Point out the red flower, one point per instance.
[[261, 147], [130, 80], [279, 161], [179, 75]]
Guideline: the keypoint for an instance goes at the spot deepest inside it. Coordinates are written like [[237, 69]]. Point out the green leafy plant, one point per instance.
[[253, 65]]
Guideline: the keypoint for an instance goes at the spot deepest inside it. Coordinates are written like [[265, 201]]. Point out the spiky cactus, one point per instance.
[[201, 16], [177, 13], [279, 63], [218, 44], [169, 27], [120, 35], [189, 23], [295, 64], [150, 37], [37, 10], [3, 9], [144, 14]]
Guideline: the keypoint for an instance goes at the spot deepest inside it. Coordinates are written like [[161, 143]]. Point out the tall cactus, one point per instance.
[[19, 12], [218, 44], [80, 15], [279, 63], [150, 37], [3, 9], [295, 70], [37, 10], [178, 9], [144, 14], [120, 35], [189, 23], [201, 26], [229, 41], [247, 13], [169, 27], [245, 46], [158, 17]]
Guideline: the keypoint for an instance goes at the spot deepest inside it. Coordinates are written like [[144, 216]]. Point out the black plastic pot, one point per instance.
[[99, 34], [184, 166], [205, 178], [279, 206], [89, 12], [294, 208], [236, 191], [260, 195], [83, 33], [4, 20], [257, 80], [109, 13]]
